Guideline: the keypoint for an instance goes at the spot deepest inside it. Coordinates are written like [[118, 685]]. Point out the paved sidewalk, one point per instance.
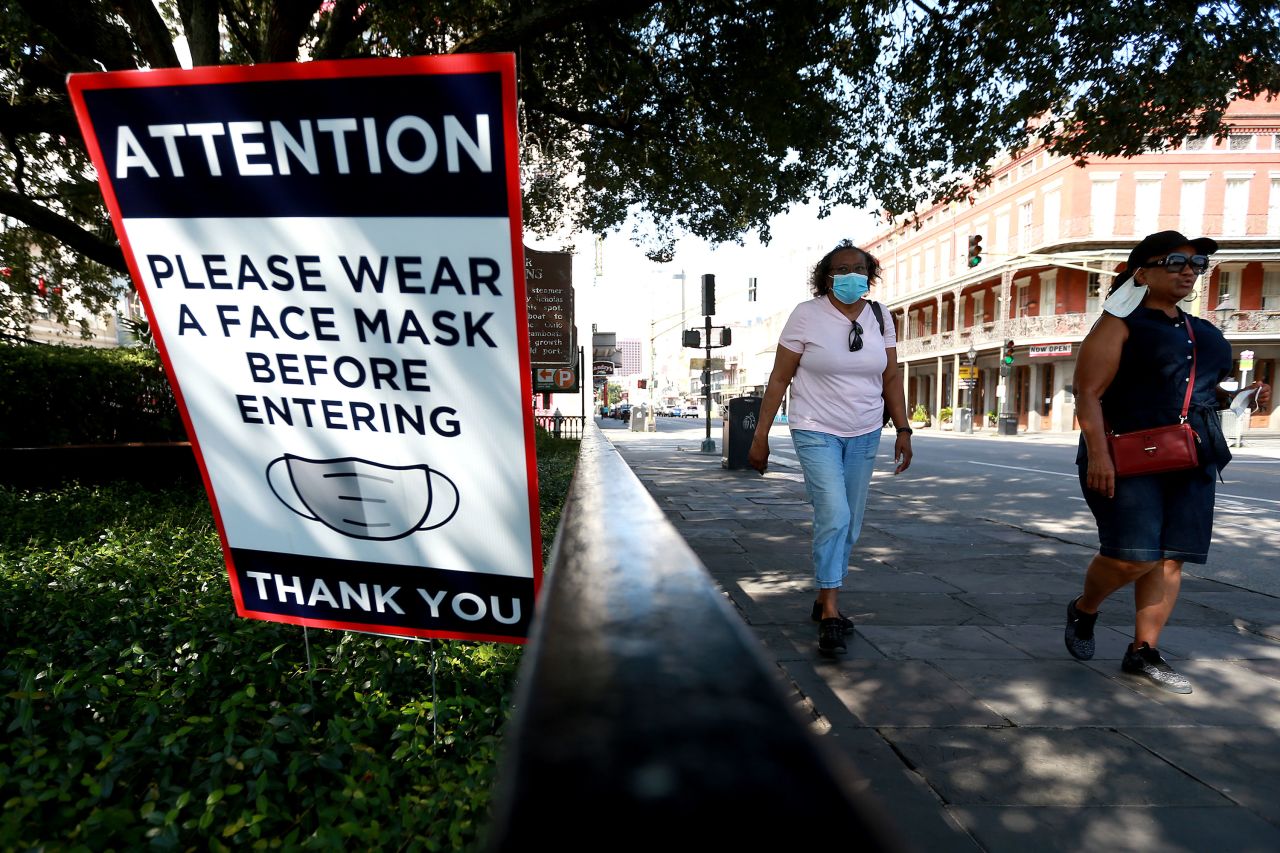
[[957, 700]]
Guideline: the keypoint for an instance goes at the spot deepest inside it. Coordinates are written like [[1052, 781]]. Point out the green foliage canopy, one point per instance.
[[706, 117]]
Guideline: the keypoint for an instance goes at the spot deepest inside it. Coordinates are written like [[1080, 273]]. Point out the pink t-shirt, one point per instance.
[[836, 391]]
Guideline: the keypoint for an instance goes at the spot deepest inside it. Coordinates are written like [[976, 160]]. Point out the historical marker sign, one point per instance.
[[329, 254], [549, 276]]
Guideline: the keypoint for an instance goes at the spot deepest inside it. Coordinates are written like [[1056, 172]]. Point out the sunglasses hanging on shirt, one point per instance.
[[855, 337]]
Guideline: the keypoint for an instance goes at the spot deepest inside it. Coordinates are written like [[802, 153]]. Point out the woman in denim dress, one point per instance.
[[842, 368], [1132, 374]]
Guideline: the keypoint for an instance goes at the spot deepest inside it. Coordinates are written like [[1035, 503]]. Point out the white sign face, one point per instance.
[[329, 255], [1043, 350]]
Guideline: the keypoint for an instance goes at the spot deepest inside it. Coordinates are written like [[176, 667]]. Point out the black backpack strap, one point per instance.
[[875, 309]]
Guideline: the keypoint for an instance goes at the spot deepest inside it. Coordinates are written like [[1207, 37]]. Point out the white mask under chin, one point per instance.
[[1126, 298]]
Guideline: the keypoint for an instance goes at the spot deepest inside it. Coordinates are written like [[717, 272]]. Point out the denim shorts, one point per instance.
[[1165, 516]]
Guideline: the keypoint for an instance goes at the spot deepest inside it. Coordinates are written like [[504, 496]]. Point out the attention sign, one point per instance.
[[329, 254]]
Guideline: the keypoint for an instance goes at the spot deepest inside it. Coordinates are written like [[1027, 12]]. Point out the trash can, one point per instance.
[[1231, 422], [964, 420], [1008, 424], [739, 429]]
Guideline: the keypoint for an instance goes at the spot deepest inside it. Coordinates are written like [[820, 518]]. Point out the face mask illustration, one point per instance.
[[850, 288], [364, 499]]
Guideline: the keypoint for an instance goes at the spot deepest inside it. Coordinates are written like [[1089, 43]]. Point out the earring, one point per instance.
[[1192, 296]]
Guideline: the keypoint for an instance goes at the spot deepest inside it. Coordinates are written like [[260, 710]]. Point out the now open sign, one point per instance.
[[329, 255]]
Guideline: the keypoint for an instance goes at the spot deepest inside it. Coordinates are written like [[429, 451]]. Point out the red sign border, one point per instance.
[[475, 63]]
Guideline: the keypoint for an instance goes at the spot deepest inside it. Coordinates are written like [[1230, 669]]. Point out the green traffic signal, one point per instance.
[[975, 250]]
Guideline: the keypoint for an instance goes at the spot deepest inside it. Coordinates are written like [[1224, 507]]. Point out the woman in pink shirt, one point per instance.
[[843, 372]]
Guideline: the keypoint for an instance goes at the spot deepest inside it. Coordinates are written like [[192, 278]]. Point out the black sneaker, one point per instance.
[[1146, 663], [1079, 633], [831, 637], [816, 616]]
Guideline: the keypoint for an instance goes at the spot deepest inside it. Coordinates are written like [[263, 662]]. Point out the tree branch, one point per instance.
[[27, 117], [88, 36], [346, 20], [79, 239], [547, 19], [150, 32], [287, 20], [200, 23]]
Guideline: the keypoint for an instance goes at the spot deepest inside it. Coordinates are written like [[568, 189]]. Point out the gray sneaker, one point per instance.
[[1079, 632], [1146, 663]]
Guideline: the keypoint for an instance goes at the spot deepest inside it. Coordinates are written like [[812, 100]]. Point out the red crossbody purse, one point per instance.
[[1159, 449]]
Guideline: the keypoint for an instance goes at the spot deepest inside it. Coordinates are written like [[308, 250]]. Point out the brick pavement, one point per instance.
[[957, 701]]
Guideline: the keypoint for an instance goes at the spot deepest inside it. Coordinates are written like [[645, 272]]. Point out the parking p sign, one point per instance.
[[329, 254]]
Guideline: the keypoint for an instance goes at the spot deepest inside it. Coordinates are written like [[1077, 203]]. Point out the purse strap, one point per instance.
[[1191, 380]]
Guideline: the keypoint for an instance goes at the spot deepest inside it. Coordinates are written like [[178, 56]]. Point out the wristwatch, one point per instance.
[[907, 430]]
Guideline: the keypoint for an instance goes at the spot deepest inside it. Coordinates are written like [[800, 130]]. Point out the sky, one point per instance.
[[631, 292]]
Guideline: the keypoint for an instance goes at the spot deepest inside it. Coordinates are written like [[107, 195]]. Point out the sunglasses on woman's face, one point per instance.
[[855, 337], [1175, 263]]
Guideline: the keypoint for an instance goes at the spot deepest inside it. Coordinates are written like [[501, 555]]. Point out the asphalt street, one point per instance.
[[1029, 483]]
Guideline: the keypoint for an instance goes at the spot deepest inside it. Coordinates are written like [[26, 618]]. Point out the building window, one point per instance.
[[752, 291], [1026, 224], [1191, 205], [1094, 293], [1022, 300], [1240, 142], [926, 321], [979, 308], [1048, 293], [1235, 207], [1271, 290], [1052, 213], [1229, 287], [1102, 207], [1146, 207], [1273, 209]]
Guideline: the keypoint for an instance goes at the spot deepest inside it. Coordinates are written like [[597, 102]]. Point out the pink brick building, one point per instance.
[[1052, 235]]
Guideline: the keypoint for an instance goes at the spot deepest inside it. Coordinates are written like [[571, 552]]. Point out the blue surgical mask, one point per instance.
[[850, 288]]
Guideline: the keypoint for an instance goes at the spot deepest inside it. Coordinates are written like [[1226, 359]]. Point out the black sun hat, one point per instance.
[[1161, 243]]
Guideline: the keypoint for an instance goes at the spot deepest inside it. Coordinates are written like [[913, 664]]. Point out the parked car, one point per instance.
[[692, 412], [675, 411], [624, 412]]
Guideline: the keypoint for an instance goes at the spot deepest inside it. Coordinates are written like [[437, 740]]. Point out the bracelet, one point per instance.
[[907, 430]]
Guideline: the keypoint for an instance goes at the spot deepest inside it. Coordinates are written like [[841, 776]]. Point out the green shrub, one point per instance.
[[141, 711], [56, 395], [944, 415]]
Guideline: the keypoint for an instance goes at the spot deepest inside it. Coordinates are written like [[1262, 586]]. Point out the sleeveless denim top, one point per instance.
[[1151, 381]]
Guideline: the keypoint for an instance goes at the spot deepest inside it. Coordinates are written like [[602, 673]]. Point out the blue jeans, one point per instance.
[[837, 473]]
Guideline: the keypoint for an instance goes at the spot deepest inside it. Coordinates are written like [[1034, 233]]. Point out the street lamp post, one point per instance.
[[1224, 311]]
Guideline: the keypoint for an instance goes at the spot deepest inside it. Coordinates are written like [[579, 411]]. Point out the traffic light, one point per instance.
[[975, 250], [708, 295], [1006, 358]]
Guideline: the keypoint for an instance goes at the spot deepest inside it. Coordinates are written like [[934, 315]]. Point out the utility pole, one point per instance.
[[708, 308]]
